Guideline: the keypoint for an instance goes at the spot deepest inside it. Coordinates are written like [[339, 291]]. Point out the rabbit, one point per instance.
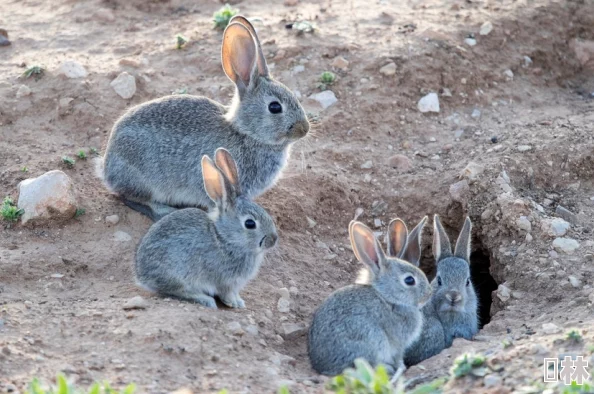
[[152, 158], [375, 319], [195, 255], [453, 309]]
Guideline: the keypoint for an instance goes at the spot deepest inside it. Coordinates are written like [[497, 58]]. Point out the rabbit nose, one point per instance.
[[269, 241], [453, 297], [300, 129]]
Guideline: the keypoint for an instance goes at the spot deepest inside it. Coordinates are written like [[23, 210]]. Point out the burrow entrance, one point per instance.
[[483, 282]]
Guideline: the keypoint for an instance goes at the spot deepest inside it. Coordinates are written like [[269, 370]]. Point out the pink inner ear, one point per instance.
[[244, 56]]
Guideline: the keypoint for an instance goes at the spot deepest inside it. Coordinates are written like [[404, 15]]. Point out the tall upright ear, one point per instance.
[[463, 244], [412, 252], [397, 236], [367, 249], [261, 60], [238, 55], [226, 164], [214, 183], [441, 242]]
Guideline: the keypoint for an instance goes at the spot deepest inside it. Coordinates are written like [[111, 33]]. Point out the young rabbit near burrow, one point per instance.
[[452, 311], [153, 154], [195, 255], [375, 319]]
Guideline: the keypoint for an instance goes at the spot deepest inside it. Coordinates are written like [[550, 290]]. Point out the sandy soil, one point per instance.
[[76, 323]]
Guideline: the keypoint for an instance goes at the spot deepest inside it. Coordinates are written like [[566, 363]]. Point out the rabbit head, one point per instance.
[[452, 287], [262, 108], [396, 280], [239, 221]]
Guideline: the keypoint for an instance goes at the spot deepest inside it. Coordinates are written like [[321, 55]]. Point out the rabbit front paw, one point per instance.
[[233, 301]]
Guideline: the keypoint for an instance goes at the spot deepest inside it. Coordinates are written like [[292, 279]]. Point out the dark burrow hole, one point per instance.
[[483, 282]]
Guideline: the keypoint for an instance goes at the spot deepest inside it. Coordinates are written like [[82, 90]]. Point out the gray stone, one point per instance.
[[112, 219], [283, 305], [400, 163], [492, 380], [389, 69], [367, 165], [293, 330], [72, 69], [550, 328], [460, 191], [235, 328], [524, 224], [575, 282], [566, 214], [486, 28], [429, 103], [23, 91], [136, 303], [124, 85], [503, 293], [565, 245], [326, 98], [122, 236]]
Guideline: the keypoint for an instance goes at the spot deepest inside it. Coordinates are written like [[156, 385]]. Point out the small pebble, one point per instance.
[[367, 165], [494, 139], [388, 70], [136, 303], [112, 219]]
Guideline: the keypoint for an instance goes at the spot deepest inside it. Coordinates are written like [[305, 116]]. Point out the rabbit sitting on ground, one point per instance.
[[153, 154], [376, 319], [452, 311], [195, 255]]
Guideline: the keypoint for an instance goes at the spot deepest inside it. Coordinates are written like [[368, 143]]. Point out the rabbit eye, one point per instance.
[[275, 107], [250, 224], [409, 280], [439, 281], [467, 282]]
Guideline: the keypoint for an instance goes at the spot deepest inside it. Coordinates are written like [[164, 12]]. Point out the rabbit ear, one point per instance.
[[227, 165], [412, 253], [367, 249], [463, 244], [214, 183], [238, 55], [441, 242], [397, 236], [260, 60]]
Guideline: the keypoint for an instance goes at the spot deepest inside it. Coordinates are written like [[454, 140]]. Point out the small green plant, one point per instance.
[[180, 91], [82, 155], [591, 348], [507, 343], [469, 364], [180, 41], [10, 212], [79, 212], [303, 27], [362, 379], [284, 390], [223, 16], [574, 336], [434, 387], [68, 161], [25, 169], [93, 151], [328, 77], [36, 71], [574, 388], [63, 387]]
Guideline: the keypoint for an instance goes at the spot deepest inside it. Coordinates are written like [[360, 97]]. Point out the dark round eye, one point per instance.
[[409, 280], [467, 282], [250, 224], [275, 107], [439, 281]]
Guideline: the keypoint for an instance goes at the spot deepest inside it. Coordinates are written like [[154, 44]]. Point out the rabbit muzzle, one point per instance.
[[299, 129], [268, 241], [453, 301]]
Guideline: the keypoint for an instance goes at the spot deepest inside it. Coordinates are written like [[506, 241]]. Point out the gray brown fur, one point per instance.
[[195, 255], [153, 154], [376, 320]]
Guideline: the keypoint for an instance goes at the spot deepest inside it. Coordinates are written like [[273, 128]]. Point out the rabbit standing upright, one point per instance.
[[376, 319], [452, 311], [195, 255], [153, 154]]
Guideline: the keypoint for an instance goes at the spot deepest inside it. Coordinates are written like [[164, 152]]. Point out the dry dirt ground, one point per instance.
[[541, 120]]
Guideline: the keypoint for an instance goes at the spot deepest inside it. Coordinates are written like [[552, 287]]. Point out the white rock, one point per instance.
[[524, 224], [503, 293], [299, 68], [389, 69], [121, 236], [23, 91], [49, 196], [550, 328], [524, 148], [293, 330], [470, 41], [486, 28], [529, 238], [310, 222], [377, 222], [252, 329], [124, 85], [575, 282], [492, 380], [472, 171], [235, 328], [559, 227], [136, 303], [565, 245], [460, 191], [527, 61], [283, 305], [429, 103], [72, 69], [284, 293], [367, 165], [476, 113], [509, 74], [112, 219], [325, 98]]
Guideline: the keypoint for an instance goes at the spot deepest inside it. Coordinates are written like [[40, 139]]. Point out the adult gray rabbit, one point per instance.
[[452, 311], [375, 319], [195, 255], [154, 151]]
